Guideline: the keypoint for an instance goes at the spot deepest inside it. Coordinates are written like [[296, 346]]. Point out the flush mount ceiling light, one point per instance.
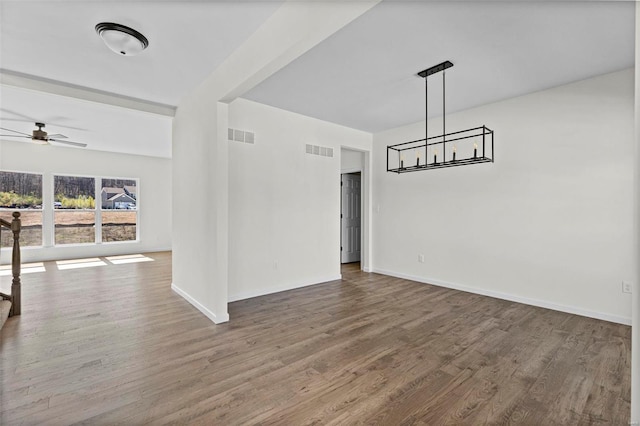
[[122, 40], [461, 148]]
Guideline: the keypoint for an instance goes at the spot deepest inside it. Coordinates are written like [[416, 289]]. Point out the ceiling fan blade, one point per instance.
[[69, 142], [58, 136], [51, 121], [14, 131], [16, 136], [50, 124], [18, 114]]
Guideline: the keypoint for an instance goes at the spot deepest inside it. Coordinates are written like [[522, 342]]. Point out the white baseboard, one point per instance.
[[73, 251], [218, 319], [511, 297], [278, 289]]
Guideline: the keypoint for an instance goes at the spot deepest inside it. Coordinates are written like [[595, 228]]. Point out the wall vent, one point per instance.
[[322, 151], [241, 136]]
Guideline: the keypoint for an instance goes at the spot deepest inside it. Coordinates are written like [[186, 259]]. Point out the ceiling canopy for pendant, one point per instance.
[[461, 148], [121, 39]]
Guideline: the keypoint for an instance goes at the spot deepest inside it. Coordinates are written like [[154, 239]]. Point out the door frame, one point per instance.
[[342, 218], [365, 192]]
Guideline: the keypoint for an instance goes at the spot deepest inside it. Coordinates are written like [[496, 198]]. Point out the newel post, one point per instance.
[[15, 265]]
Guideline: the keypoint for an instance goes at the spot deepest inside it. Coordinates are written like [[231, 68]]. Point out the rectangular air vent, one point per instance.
[[322, 151], [240, 136]]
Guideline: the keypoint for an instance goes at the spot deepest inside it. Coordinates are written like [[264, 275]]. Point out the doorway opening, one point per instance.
[[351, 218], [355, 210]]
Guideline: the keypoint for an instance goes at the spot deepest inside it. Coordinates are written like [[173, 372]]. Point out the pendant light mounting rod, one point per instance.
[[435, 69]]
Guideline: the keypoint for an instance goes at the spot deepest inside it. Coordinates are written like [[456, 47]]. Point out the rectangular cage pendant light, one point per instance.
[[461, 148]]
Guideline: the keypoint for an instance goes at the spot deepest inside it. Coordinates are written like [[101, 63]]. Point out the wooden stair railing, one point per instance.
[[15, 296]]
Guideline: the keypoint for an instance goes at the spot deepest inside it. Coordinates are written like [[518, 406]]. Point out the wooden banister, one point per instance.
[[16, 291]]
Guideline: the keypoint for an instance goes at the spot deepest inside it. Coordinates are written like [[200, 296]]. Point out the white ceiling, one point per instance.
[[362, 77], [56, 40], [102, 127], [187, 41]]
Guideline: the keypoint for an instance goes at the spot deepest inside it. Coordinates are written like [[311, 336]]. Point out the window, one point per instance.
[[21, 192], [74, 205], [119, 205], [78, 210]]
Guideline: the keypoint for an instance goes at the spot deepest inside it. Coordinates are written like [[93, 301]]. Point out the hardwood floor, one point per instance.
[[114, 345]]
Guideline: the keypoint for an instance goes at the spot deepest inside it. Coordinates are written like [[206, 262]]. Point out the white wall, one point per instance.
[[199, 205], [635, 306], [549, 223], [154, 194], [284, 204], [351, 161], [200, 155]]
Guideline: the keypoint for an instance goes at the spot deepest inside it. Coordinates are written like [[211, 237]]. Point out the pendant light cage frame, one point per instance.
[[461, 148]]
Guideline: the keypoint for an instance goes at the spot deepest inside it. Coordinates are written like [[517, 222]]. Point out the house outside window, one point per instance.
[[119, 205], [85, 209]]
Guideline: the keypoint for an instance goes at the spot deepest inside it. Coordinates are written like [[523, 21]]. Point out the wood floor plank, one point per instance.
[[114, 345]]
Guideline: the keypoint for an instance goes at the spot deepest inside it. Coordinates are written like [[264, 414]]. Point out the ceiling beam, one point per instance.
[[54, 87], [294, 29]]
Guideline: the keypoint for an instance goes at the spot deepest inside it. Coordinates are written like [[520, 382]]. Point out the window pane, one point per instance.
[[119, 225], [71, 192], [31, 232], [74, 227], [20, 190], [118, 194]]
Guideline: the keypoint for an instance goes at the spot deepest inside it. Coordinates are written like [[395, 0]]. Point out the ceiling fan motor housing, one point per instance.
[[39, 134]]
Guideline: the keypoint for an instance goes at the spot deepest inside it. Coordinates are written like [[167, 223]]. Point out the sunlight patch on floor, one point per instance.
[[25, 268], [128, 258], [79, 263]]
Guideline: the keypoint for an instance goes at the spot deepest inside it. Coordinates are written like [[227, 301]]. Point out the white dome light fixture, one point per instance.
[[122, 40]]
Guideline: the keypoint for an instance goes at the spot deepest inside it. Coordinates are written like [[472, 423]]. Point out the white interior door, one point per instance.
[[350, 218]]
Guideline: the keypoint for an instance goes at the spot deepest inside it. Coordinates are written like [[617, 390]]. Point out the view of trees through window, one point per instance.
[[74, 204], [119, 202], [22, 192]]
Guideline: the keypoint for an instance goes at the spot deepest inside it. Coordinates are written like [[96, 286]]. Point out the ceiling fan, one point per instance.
[[41, 137]]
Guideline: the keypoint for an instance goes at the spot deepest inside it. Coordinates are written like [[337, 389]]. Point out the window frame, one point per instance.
[[48, 211], [101, 209], [41, 209], [52, 231]]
